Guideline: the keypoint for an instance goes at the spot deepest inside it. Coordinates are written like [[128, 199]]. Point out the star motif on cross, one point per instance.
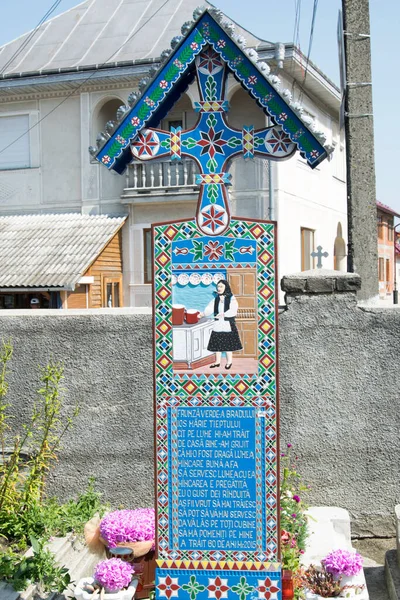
[[146, 144], [211, 142], [210, 62], [278, 141], [214, 218]]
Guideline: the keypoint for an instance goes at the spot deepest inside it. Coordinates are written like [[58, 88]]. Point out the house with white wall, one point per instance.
[[60, 89]]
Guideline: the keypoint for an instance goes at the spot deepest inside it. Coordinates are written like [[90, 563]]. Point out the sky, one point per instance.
[[274, 20]]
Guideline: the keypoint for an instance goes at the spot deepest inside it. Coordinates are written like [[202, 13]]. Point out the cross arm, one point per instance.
[[152, 144]]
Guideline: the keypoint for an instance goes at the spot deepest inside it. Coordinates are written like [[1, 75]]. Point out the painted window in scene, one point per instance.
[[390, 232], [307, 247], [112, 292], [14, 131], [380, 228], [147, 268], [381, 269]]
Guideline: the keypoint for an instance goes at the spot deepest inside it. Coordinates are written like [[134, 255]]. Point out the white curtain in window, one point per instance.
[[17, 156]]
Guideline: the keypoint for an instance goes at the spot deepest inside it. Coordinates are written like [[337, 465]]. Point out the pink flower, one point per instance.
[[296, 498], [128, 526], [113, 574], [343, 562], [285, 536]]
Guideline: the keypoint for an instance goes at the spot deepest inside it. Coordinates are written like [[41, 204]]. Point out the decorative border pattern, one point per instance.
[[212, 583], [115, 154], [174, 391], [221, 385]]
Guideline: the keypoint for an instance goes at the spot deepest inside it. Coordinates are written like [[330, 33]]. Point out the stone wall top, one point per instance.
[[320, 281]]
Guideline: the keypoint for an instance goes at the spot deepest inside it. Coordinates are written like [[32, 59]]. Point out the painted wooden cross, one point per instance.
[[212, 143]]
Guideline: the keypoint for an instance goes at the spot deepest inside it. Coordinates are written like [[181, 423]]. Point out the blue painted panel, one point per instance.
[[216, 479], [190, 584], [213, 251]]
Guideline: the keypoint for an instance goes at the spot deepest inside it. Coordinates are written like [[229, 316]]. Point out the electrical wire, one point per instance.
[[314, 14], [78, 87], [55, 5]]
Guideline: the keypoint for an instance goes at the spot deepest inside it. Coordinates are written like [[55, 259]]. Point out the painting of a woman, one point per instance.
[[225, 336]]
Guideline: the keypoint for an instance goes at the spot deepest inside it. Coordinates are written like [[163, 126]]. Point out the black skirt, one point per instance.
[[221, 341]]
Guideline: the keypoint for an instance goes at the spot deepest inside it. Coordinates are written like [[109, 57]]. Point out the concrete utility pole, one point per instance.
[[361, 195]]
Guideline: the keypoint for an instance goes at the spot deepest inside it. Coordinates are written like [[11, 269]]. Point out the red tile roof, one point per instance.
[[385, 208]]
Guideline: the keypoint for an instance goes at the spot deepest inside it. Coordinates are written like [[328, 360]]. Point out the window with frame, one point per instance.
[[381, 269], [112, 292], [14, 136], [390, 232], [307, 247], [147, 266], [380, 228]]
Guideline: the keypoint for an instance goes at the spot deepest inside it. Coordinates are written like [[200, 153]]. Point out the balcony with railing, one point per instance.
[[160, 178]]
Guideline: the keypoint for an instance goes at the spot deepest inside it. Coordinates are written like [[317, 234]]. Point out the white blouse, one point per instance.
[[231, 312]]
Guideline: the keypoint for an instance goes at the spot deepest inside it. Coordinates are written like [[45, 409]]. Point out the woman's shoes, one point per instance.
[[228, 366], [214, 365]]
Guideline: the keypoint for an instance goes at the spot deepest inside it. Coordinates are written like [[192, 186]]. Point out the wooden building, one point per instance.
[[61, 261]]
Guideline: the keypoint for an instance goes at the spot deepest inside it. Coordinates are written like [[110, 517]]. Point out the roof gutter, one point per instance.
[[66, 288]]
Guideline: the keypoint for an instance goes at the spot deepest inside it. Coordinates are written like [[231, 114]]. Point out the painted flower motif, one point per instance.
[[121, 140], [193, 587], [163, 84], [113, 574], [194, 46], [236, 62], [283, 116], [221, 43], [210, 62], [217, 587], [213, 250], [135, 121], [252, 80], [268, 97], [146, 145], [149, 102], [178, 64], [106, 159], [266, 589], [314, 154], [242, 589], [168, 587]]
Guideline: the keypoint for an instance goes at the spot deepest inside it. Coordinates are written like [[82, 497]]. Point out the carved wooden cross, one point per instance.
[[212, 143]]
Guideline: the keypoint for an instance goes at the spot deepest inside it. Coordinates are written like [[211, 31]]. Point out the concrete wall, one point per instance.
[[339, 396]]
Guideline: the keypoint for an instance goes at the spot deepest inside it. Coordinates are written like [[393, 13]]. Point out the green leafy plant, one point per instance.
[[40, 568], [293, 520]]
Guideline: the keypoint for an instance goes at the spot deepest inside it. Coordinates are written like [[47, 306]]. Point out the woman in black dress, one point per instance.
[[225, 336]]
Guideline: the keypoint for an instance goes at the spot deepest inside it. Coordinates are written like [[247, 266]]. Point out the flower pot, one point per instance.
[[125, 594], [352, 585], [145, 570]]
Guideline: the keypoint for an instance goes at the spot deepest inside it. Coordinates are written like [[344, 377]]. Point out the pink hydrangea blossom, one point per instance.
[[128, 526], [343, 562], [113, 574]]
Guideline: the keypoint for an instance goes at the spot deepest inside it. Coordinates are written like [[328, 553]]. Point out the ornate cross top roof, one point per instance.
[[208, 52]]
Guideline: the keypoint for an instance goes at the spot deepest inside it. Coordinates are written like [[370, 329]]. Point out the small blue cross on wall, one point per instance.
[[319, 254]]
